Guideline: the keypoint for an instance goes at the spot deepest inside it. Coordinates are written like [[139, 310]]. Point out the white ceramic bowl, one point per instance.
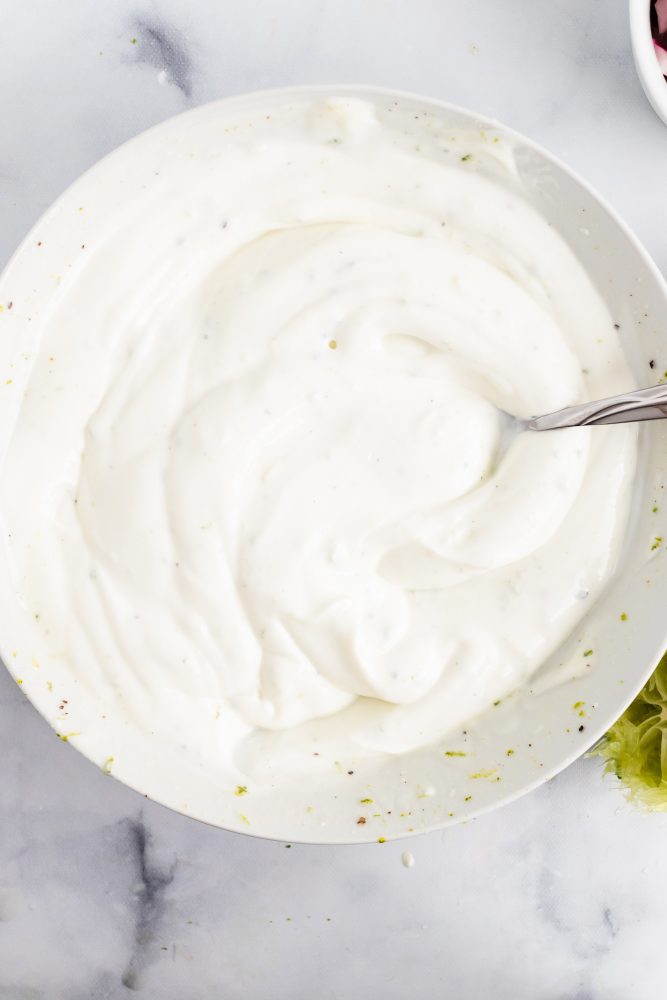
[[510, 749], [648, 70]]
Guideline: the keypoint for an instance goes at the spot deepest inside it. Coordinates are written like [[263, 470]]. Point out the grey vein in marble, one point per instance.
[[149, 898], [162, 46]]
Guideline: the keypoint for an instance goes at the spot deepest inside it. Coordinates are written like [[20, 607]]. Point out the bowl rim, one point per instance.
[[593, 732], [648, 70]]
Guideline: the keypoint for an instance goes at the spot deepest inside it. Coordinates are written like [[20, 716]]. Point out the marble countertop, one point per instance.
[[561, 896]]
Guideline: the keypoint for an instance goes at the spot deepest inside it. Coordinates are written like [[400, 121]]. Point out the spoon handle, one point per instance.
[[640, 404]]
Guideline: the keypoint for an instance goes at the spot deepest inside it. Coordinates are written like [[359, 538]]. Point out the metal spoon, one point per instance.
[[639, 404]]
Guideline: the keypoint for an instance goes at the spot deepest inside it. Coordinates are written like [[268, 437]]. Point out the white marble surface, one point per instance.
[[562, 896]]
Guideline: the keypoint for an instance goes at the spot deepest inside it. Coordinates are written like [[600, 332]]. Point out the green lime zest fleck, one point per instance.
[[382, 840], [244, 818], [657, 542], [510, 752], [588, 652], [484, 773], [578, 704], [467, 798], [624, 616], [133, 41], [455, 753], [654, 510], [241, 790], [496, 703], [107, 765], [365, 801], [468, 156], [635, 748], [66, 737]]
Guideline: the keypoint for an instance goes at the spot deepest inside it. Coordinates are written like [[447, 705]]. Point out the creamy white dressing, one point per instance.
[[255, 494]]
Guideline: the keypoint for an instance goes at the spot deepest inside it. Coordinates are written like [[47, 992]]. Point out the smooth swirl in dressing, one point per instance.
[[267, 409]]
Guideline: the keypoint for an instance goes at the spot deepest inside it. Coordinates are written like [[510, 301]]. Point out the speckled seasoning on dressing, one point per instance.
[[267, 515]]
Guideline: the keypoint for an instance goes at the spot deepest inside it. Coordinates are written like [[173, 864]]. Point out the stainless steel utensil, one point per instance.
[[639, 404]]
